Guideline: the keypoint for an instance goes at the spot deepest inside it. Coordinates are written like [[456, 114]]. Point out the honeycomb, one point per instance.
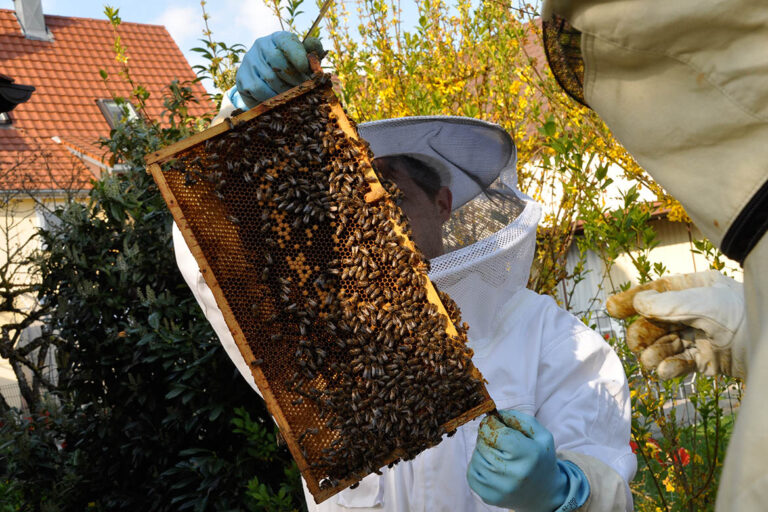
[[361, 361]]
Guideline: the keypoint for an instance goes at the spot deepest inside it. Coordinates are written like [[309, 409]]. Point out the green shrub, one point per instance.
[[152, 415]]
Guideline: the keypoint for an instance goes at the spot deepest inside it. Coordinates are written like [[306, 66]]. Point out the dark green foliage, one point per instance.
[[152, 413]]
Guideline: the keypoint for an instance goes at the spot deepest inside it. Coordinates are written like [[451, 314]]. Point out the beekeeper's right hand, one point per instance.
[[688, 322], [514, 465], [274, 64]]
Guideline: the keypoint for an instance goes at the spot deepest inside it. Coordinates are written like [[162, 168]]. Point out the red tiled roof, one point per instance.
[[41, 164], [65, 73]]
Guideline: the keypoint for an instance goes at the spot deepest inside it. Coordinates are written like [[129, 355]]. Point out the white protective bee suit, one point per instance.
[[536, 357], [683, 85]]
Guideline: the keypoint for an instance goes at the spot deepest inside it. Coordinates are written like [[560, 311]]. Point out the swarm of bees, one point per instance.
[[331, 296]]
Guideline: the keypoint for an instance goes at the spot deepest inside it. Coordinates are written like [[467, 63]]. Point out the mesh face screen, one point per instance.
[[357, 358]]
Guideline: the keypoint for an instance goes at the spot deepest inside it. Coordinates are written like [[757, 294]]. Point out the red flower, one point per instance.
[[634, 446], [681, 456]]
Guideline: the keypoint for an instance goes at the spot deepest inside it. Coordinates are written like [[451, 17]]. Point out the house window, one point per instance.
[[5, 119], [115, 113]]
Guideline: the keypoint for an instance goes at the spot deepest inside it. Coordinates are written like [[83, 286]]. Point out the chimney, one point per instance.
[[31, 19]]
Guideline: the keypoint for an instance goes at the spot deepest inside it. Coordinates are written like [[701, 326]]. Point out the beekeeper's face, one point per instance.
[[426, 210]]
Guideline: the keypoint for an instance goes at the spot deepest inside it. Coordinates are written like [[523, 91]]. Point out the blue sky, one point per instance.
[[232, 21]]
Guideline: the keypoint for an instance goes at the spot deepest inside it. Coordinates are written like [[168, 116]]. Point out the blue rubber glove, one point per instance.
[[274, 64], [514, 466]]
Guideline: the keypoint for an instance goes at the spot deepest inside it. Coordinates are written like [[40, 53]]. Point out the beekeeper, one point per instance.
[[562, 439], [683, 86]]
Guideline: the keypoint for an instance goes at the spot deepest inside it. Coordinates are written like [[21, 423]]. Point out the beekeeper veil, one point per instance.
[[491, 235]]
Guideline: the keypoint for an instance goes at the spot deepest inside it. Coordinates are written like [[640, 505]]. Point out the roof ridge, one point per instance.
[[13, 11]]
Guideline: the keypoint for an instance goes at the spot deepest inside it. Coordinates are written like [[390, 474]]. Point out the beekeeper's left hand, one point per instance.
[[274, 64], [514, 465], [689, 322]]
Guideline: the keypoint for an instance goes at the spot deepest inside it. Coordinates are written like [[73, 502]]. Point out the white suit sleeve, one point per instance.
[[607, 489], [194, 278], [226, 109], [583, 398]]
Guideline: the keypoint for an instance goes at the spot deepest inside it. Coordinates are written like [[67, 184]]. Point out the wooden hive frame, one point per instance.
[[168, 155]]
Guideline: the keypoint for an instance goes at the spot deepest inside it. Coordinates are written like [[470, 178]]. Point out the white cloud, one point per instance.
[[240, 21], [185, 24], [243, 21], [256, 18], [230, 21]]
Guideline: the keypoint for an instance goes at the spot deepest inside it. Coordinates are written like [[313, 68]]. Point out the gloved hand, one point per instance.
[[689, 322], [274, 64], [514, 466]]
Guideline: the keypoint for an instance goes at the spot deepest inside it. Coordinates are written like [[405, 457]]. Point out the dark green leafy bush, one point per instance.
[[149, 413]]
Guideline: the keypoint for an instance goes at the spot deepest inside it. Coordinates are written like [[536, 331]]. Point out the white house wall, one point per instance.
[[673, 251], [19, 221], [550, 194]]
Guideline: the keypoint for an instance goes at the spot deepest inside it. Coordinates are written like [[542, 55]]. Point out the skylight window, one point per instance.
[[115, 113]]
